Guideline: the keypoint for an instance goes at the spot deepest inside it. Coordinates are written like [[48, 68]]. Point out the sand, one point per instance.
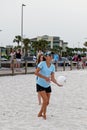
[[67, 109]]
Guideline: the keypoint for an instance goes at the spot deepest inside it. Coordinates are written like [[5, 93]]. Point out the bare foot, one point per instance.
[[44, 116], [40, 115]]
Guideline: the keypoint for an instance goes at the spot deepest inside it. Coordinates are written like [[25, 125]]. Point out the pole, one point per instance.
[[0, 54], [22, 25], [0, 57]]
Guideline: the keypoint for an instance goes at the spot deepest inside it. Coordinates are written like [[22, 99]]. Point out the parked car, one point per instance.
[[30, 60], [62, 60], [3, 59]]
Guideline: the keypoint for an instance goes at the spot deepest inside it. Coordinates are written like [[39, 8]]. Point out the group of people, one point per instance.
[[45, 73], [15, 59], [81, 61]]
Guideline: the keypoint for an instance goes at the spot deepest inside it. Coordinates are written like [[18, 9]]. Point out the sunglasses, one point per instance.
[[48, 54]]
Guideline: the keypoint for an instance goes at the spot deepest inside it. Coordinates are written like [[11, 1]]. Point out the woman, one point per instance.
[[12, 57], [40, 58], [45, 72], [18, 59]]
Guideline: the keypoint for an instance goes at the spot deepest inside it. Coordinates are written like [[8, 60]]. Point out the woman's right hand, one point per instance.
[[47, 79]]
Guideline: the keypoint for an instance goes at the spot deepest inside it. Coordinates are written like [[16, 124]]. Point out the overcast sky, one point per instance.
[[64, 18]]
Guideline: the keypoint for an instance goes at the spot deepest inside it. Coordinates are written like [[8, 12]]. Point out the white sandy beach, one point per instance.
[[67, 109]]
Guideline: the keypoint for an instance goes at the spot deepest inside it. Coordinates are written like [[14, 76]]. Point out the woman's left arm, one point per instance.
[[54, 80]]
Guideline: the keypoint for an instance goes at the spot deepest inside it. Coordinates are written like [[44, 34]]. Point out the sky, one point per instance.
[[64, 18]]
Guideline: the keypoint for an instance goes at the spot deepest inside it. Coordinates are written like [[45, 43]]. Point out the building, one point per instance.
[[2, 51], [8, 49], [53, 41]]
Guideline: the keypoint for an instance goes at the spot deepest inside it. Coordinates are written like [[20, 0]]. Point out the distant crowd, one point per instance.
[[15, 59], [81, 60], [15, 56]]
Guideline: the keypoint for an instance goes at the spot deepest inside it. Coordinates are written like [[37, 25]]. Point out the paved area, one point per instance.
[[7, 71]]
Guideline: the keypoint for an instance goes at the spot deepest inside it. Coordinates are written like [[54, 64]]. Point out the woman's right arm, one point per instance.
[[41, 76]]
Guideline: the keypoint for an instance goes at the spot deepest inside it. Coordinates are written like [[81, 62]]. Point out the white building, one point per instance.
[[53, 41]]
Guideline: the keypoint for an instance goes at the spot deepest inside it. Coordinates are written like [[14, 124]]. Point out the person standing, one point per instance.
[[46, 73], [12, 59], [40, 58], [18, 59], [56, 58], [39, 53]]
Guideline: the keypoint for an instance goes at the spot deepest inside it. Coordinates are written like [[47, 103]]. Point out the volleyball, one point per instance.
[[61, 80]]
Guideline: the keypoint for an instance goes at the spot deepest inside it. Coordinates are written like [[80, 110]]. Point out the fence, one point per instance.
[[28, 67]]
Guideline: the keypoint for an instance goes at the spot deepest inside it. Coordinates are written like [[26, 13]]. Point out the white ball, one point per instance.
[[61, 80]]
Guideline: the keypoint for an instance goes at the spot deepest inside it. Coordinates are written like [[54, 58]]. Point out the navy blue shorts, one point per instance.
[[40, 88]]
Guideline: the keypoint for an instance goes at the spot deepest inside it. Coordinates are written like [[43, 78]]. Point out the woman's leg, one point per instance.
[[48, 95], [12, 65], [39, 99], [45, 97], [19, 65]]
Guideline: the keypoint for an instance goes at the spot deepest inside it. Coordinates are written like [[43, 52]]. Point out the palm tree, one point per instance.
[[26, 43], [84, 50], [35, 45], [57, 49], [43, 44], [76, 49], [40, 45], [17, 39], [85, 44]]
